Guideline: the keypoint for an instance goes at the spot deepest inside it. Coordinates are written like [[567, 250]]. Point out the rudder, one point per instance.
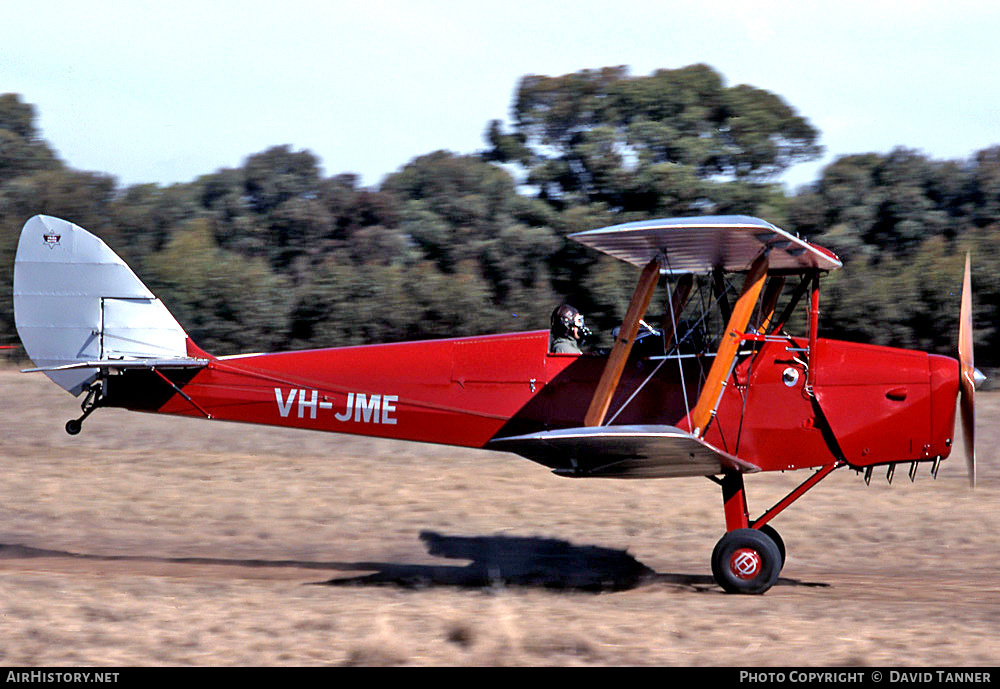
[[76, 300]]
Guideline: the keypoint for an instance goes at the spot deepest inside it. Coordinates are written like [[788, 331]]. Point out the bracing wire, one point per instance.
[[676, 340]]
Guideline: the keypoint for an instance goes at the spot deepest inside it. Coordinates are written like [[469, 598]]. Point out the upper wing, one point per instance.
[[623, 452], [703, 244]]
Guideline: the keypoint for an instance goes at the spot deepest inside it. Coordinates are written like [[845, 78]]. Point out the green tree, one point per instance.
[[226, 302], [985, 187], [22, 150], [346, 304], [466, 216], [270, 254], [277, 175], [143, 218], [869, 204], [596, 135], [902, 223]]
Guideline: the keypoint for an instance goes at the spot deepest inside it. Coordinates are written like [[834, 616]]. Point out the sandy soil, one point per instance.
[[155, 541]]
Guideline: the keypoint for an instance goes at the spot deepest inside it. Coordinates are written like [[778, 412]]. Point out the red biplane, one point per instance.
[[721, 389]]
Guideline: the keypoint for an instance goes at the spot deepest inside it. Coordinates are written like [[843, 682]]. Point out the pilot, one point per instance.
[[567, 330]]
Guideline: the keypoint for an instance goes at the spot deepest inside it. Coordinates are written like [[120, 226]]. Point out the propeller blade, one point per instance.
[[967, 375]]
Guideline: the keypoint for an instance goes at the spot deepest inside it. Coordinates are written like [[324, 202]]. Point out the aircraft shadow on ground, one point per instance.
[[517, 561], [494, 562]]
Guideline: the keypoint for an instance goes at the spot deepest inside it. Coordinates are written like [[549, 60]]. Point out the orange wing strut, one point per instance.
[[623, 344], [711, 393]]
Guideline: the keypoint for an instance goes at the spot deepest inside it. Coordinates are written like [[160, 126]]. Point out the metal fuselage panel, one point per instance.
[[764, 418], [887, 405], [868, 405]]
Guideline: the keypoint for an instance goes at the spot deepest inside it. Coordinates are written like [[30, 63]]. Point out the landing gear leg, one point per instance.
[[750, 556], [93, 400], [745, 560]]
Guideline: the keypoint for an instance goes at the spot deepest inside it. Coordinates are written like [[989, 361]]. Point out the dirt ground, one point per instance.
[[149, 540]]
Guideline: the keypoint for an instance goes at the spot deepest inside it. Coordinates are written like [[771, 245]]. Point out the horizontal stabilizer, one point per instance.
[[623, 452], [122, 364]]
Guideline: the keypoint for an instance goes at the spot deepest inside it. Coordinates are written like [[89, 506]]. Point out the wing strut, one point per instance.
[[623, 344], [711, 393]]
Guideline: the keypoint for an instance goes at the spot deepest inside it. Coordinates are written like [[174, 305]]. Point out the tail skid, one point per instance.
[[79, 308]]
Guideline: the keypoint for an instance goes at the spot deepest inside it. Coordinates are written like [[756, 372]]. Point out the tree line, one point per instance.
[[274, 255]]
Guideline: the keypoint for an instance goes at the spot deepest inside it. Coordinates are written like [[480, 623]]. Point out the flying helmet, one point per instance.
[[564, 319]]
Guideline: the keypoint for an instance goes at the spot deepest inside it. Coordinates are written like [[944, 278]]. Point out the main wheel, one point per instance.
[[772, 533], [746, 561]]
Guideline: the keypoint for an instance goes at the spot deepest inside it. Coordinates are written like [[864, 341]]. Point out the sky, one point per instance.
[[164, 92]]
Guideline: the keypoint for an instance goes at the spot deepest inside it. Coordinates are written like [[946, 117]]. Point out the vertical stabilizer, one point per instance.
[[75, 301]]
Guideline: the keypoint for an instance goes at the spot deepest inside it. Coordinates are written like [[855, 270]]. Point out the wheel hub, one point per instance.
[[745, 563]]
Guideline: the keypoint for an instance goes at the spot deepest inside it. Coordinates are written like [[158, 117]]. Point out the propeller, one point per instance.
[[968, 375]]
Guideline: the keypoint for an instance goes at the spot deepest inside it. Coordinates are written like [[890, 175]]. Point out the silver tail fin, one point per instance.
[[76, 302]]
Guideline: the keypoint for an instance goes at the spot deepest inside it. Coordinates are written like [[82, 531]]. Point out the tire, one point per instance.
[[746, 561], [772, 533]]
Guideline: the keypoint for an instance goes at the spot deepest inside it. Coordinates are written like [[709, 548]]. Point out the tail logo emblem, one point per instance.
[[52, 239]]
